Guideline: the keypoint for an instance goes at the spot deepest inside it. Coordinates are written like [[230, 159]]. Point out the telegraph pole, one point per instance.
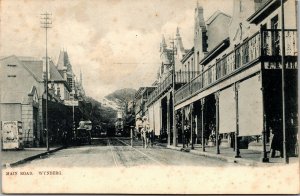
[[46, 24], [173, 94]]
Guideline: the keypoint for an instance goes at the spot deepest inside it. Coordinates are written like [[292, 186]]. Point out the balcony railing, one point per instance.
[[181, 77], [249, 51], [163, 86]]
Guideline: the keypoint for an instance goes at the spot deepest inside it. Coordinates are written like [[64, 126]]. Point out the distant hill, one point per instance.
[[121, 96], [104, 111], [102, 115]]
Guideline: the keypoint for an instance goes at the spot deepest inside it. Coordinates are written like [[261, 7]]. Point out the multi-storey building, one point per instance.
[[238, 90], [22, 98]]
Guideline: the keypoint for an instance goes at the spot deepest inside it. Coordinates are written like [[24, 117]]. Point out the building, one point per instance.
[[238, 91], [140, 100], [160, 102], [23, 98]]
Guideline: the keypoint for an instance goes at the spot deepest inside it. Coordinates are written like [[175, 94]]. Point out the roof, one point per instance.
[[54, 73], [215, 52], [64, 62], [187, 55], [214, 16], [36, 67], [265, 10]]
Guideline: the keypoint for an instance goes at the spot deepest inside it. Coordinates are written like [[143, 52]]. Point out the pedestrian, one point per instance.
[[143, 132], [151, 134], [187, 135], [277, 143], [147, 137]]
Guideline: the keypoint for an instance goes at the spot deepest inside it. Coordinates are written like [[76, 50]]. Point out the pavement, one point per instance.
[[10, 158], [248, 157], [117, 152]]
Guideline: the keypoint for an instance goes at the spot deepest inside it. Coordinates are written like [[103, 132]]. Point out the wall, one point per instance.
[[217, 30]]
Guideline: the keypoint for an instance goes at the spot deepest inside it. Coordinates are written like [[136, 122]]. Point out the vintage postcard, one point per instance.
[[149, 97]]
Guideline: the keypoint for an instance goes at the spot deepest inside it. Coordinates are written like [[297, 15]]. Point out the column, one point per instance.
[[217, 121], [174, 122], [175, 142], [237, 150], [202, 123], [182, 126], [192, 128], [264, 131], [168, 120], [160, 120]]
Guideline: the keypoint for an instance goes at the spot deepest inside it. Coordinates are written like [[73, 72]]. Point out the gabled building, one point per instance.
[[22, 97], [238, 93]]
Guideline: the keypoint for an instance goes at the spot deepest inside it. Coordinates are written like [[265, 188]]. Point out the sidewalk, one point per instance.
[[248, 157], [16, 157]]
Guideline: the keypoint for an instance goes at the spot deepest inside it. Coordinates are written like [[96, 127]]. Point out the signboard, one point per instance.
[[12, 134], [71, 102], [119, 114]]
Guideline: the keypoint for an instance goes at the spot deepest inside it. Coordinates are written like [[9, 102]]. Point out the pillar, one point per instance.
[[217, 122], [237, 150], [202, 123], [264, 131], [168, 120], [175, 142], [182, 126], [192, 128]]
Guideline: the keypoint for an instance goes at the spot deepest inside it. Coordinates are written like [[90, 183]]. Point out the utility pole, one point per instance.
[[46, 24], [173, 94]]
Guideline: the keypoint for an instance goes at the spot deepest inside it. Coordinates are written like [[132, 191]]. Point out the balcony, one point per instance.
[[252, 50], [181, 77]]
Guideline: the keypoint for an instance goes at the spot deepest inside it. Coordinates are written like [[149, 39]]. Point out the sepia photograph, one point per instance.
[[149, 97]]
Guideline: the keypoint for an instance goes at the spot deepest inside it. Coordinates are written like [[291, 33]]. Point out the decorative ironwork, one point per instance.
[[242, 55]]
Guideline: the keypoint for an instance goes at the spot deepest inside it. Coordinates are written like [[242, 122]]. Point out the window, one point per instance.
[[204, 41], [197, 65], [265, 43], [218, 69], [245, 51], [275, 36], [11, 76]]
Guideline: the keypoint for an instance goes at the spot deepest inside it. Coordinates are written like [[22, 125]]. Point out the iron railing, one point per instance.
[[181, 77], [250, 50]]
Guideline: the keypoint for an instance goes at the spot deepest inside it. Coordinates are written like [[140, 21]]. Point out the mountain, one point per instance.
[[121, 97], [102, 114]]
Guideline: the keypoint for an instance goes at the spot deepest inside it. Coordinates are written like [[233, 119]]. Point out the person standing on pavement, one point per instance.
[[187, 135], [277, 143], [151, 137]]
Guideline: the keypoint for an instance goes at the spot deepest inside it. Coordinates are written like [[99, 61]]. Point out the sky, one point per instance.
[[115, 43]]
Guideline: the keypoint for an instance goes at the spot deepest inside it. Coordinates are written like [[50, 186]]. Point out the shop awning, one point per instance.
[[227, 111], [250, 107]]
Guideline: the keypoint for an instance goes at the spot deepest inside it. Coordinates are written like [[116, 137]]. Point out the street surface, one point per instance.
[[117, 152]]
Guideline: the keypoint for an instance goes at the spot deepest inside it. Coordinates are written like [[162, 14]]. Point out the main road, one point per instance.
[[117, 152]]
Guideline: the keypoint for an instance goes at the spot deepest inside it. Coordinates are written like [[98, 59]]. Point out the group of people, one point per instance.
[[209, 134], [144, 132]]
